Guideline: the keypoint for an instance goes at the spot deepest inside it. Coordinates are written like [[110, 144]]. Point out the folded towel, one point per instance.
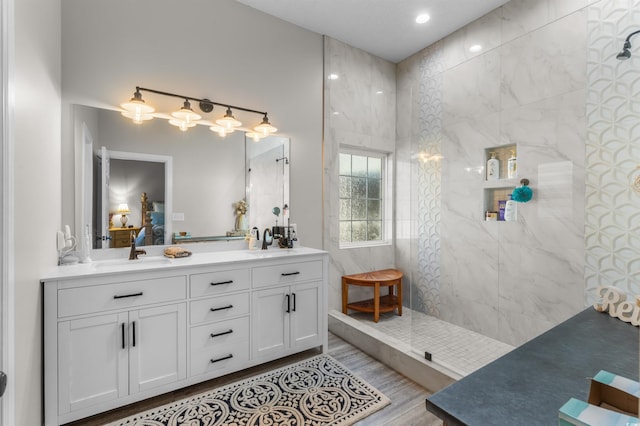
[[175, 251]]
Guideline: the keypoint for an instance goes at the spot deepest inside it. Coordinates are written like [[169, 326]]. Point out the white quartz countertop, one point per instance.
[[147, 263]]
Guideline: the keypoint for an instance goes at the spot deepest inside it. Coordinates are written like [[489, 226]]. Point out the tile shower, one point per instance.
[[546, 81]]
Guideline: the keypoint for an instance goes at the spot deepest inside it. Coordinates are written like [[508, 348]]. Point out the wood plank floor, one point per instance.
[[407, 406]]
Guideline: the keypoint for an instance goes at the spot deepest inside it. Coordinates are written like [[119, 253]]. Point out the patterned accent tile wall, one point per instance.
[[612, 228], [426, 290]]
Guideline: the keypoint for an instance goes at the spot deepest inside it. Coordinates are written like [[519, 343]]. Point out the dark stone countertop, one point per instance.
[[528, 385]]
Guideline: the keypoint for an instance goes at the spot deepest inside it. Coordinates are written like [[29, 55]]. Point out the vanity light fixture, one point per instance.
[[186, 114], [186, 117], [626, 52], [265, 128], [228, 122], [136, 109]]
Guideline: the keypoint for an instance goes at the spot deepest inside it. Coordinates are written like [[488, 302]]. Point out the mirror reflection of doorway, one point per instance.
[[120, 179]]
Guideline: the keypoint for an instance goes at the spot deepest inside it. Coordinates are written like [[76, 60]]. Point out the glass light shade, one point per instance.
[[186, 114], [181, 124], [136, 105], [137, 118], [255, 136], [221, 131], [228, 121], [265, 128]]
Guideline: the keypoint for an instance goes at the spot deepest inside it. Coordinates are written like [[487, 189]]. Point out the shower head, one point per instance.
[[626, 52]]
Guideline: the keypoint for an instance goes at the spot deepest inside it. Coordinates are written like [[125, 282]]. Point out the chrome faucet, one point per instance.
[[264, 238], [133, 254]]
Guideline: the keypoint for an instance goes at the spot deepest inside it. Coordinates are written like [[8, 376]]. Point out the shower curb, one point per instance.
[[392, 352]]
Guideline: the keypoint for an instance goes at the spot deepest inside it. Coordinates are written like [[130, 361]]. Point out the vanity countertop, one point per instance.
[[159, 262]]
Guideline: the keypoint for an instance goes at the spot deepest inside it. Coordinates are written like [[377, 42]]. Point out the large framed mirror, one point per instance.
[[193, 181]]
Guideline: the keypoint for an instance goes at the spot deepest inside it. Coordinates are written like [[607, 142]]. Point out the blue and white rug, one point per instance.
[[316, 392]]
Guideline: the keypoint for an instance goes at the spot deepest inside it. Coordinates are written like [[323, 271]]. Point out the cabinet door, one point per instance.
[[306, 314], [270, 322], [92, 361], [157, 346]]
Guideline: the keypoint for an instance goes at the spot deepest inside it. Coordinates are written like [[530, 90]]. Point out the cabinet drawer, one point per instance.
[[220, 359], [211, 283], [219, 308], [287, 274], [219, 334], [98, 298], [220, 346]]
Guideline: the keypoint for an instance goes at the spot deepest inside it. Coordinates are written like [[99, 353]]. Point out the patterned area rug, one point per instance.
[[315, 392]]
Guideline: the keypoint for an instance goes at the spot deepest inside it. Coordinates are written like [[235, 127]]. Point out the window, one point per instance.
[[363, 190]]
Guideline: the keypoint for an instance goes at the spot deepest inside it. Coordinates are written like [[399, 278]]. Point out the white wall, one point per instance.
[[37, 187], [219, 49]]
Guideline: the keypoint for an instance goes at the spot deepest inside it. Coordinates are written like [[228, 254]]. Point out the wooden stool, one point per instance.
[[376, 279]]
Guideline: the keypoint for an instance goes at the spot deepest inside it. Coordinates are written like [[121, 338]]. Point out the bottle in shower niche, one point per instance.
[[512, 166], [510, 210], [493, 167]]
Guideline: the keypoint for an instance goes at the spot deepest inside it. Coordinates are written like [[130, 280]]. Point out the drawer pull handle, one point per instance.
[[213, 361], [127, 295], [134, 333], [221, 309], [122, 330], [286, 274], [294, 301], [222, 333], [222, 282], [288, 304]]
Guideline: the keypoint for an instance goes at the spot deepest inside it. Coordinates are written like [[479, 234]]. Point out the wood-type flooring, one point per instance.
[[407, 406]]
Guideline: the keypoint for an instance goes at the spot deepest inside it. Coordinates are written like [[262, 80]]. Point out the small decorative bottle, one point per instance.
[[512, 165], [493, 167]]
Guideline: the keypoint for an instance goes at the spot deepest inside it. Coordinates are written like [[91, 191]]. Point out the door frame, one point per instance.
[[7, 214]]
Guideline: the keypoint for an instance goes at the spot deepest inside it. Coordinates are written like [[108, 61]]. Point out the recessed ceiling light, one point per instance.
[[336, 113], [475, 48], [333, 76], [422, 18], [379, 92]]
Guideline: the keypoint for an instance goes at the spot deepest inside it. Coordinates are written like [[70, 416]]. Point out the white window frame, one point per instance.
[[386, 197]]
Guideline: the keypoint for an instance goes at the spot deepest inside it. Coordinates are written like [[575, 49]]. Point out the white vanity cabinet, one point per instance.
[[286, 316], [116, 337], [119, 333]]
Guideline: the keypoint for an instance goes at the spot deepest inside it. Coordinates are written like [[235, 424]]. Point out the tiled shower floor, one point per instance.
[[458, 349]]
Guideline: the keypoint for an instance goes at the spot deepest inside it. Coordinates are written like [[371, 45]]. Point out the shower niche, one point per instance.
[[501, 177]]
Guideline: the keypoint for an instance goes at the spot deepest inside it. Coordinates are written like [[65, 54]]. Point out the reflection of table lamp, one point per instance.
[[123, 209]]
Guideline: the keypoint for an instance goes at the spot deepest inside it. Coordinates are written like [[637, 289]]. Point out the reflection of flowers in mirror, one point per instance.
[[241, 209]]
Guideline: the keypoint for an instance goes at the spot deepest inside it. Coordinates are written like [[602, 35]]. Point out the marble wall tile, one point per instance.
[[484, 32], [365, 119], [472, 89], [521, 17], [544, 63], [464, 145], [541, 281], [519, 328]]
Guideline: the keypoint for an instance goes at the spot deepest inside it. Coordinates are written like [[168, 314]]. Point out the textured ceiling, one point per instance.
[[385, 28]]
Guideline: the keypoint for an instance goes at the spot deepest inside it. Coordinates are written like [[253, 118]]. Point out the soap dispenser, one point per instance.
[[493, 167], [254, 237], [512, 165]]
